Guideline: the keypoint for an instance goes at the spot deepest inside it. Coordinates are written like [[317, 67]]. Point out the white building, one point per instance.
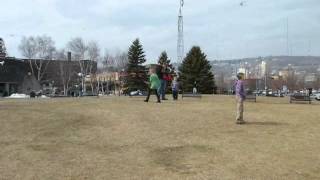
[[263, 69]]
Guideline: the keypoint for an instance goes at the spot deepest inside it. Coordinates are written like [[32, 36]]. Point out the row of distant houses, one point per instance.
[[21, 75]]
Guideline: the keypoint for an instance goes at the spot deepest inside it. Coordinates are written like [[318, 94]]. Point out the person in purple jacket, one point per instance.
[[240, 97]]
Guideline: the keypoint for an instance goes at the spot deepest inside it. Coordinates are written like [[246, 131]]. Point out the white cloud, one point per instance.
[[223, 28]]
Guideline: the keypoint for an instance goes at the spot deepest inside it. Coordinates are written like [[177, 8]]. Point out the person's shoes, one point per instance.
[[164, 99], [159, 102], [146, 101], [241, 122]]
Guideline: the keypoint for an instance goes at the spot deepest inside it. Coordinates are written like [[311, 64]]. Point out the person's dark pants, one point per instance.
[[163, 88], [175, 95], [149, 93]]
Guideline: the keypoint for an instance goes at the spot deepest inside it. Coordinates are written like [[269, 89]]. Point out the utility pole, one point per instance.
[[180, 44]]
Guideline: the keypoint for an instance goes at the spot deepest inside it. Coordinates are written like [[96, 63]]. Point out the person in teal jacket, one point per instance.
[[154, 84]]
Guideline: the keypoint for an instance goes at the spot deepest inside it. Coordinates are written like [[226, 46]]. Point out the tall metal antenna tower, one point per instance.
[[288, 42], [180, 44]]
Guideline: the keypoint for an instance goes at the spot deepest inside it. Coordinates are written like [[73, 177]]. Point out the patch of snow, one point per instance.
[[136, 93], [43, 96], [24, 96], [19, 96]]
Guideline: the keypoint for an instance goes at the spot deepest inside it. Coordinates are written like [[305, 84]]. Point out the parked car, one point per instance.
[[317, 96], [267, 93], [277, 94], [313, 96], [257, 93]]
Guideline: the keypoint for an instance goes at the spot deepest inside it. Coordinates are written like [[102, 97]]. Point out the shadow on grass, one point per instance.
[[266, 123], [177, 159]]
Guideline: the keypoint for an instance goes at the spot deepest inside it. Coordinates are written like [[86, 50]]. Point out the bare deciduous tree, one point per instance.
[[28, 49], [108, 61], [64, 69], [45, 51], [78, 48], [108, 66], [116, 62], [121, 60], [42, 48], [93, 55]]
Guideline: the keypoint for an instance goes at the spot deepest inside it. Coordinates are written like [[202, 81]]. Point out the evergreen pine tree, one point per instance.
[[164, 60], [136, 71], [196, 68]]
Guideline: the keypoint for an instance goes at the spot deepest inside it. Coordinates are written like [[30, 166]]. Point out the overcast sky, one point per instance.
[[223, 28]]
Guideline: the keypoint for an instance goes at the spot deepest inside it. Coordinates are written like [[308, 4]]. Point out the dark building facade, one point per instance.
[[17, 76], [12, 75]]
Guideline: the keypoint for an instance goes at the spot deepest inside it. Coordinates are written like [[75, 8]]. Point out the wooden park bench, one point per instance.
[[251, 98], [191, 95], [300, 98]]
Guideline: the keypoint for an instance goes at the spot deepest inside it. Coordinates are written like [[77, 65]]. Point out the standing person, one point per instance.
[[195, 88], [168, 78], [164, 82], [240, 97], [160, 76], [310, 91], [175, 88], [154, 84]]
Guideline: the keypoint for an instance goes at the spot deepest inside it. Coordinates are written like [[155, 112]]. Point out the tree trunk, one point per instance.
[[102, 86], [92, 89], [31, 67], [39, 71], [98, 88], [64, 90], [108, 87], [82, 77]]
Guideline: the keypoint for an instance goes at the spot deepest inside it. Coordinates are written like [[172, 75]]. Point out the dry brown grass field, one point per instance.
[[125, 138]]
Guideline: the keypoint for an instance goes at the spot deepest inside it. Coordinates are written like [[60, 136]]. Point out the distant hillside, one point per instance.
[[300, 64], [277, 60]]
